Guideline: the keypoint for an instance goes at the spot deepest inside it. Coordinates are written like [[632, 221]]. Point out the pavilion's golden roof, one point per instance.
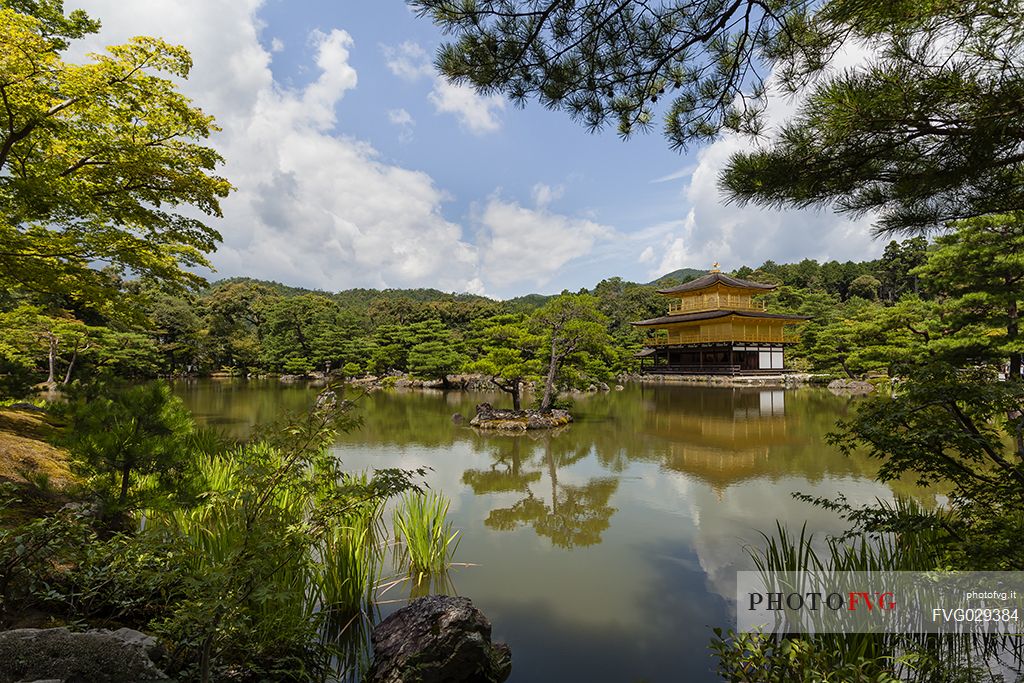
[[716, 278]]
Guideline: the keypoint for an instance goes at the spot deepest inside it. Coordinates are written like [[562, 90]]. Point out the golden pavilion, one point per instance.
[[716, 326]]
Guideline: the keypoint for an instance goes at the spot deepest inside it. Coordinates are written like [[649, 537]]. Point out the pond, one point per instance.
[[606, 551]]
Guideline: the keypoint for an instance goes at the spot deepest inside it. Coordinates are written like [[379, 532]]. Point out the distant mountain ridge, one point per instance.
[[363, 296], [677, 277]]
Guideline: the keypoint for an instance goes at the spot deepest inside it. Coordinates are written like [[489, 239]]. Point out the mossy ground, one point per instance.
[[29, 461]]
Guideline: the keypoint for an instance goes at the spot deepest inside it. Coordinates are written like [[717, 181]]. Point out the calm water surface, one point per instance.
[[608, 550]]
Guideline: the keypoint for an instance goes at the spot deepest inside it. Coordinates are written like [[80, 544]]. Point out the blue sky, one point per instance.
[[357, 165]]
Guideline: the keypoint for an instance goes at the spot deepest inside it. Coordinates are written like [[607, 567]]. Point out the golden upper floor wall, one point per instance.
[[715, 291], [715, 297]]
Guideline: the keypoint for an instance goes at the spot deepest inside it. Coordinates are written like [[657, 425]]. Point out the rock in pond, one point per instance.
[[850, 387], [97, 656], [438, 639], [518, 420]]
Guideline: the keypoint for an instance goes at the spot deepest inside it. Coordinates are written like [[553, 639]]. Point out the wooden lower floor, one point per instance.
[[733, 358]]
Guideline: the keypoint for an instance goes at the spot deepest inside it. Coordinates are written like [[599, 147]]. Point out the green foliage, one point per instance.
[[956, 427], [424, 534], [55, 347], [270, 574], [282, 542], [347, 571], [126, 578], [28, 550], [508, 353], [574, 337], [865, 287], [131, 443], [759, 658], [613, 62], [435, 352], [977, 272], [859, 337], [303, 333], [95, 159], [921, 134]]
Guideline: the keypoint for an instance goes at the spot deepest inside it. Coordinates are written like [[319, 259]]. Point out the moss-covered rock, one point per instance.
[[518, 420], [122, 656]]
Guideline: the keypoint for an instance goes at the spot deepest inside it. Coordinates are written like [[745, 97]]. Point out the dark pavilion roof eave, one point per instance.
[[711, 315], [715, 279]]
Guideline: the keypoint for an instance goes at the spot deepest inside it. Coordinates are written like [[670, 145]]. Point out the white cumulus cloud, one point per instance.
[[407, 60], [521, 244], [714, 231], [404, 121], [313, 207], [478, 114]]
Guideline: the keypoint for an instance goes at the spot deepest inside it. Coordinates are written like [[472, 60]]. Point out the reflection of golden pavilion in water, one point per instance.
[[726, 440]]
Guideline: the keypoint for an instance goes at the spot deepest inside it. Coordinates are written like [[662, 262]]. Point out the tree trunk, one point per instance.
[[71, 366], [516, 402], [51, 380], [126, 472], [445, 384], [549, 381], [1012, 332]]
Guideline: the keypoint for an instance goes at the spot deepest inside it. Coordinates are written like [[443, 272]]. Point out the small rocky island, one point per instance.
[[488, 417]]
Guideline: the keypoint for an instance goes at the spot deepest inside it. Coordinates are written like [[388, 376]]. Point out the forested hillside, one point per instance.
[[865, 316]]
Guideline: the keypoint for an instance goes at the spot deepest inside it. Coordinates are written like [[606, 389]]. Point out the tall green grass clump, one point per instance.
[[350, 554], [281, 548], [424, 538]]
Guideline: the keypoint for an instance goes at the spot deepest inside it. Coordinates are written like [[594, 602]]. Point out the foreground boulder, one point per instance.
[[438, 639], [57, 654], [518, 420]]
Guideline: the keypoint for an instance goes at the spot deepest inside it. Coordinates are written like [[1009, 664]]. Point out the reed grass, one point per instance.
[[425, 542], [340, 572], [329, 576], [350, 556]]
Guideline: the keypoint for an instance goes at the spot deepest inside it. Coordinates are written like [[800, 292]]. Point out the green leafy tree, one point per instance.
[[925, 132], [122, 437], [571, 327], [895, 270], [949, 426], [979, 270], [436, 359], [98, 161], [389, 348], [865, 287], [860, 337], [234, 315], [304, 333], [178, 332], [53, 342], [615, 61], [34, 343], [509, 354]]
